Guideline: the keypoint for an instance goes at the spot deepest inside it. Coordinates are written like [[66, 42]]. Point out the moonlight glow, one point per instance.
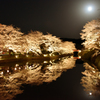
[[89, 8]]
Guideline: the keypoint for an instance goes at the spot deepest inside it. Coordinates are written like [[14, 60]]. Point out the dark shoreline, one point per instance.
[[34, 58]]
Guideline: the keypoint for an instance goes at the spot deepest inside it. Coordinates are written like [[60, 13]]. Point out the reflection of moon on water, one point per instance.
[[91, 80], [34, 74]]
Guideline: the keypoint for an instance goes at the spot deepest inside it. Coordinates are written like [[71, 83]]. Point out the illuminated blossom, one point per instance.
[[35, 42], [91, 34]]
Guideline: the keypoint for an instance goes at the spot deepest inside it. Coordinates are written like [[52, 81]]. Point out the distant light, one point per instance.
[[79, 51], [7, 71], [89, 8], [16, 56], [79, 57], [1, 73], [15, 68], [17, 65], [90, 93], [71, 56], [45, 55], [45, 62], [19, 68]]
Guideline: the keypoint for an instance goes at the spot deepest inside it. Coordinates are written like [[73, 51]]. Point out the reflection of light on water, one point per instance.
[[50, 61], [71, 56], [1, 73], [45, 55], [15, 68], [16, 56], [45, 62], [79, 57], [17, 65], [7, 71], [79, 51], [34, 74]]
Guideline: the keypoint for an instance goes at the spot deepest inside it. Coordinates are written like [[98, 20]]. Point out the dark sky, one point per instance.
[[62, 18]]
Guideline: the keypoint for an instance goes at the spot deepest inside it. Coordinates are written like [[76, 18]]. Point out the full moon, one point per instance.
[[89, 8]]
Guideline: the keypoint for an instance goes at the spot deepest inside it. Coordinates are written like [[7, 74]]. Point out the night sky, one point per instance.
[[62, 18]]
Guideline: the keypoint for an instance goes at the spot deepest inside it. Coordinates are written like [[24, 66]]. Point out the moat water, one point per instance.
[[58, 79]]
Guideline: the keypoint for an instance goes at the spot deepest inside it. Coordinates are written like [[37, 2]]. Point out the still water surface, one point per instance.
[[57, 79]]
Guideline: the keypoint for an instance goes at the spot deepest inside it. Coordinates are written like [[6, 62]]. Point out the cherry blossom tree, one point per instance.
[[11, 37], [35, 42], [67, 47], [91, 34], [46, 44], [32, 40]]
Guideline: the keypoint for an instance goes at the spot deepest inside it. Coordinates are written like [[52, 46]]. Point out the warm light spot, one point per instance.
[[1, 73], [53, 60], [79, 51], [45, 62], [45, 55], [49, 68], [79, 57], [59, 58], [50, 54], [71, 56], [15, 68], [90, 93], [93, 71], [50, 61], [50, 49], [7, 71], [16, 56], [17, 65]]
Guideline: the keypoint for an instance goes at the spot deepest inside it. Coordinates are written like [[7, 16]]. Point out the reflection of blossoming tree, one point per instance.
[[91, 80], [34, 74], [12, 39], [91, 34]]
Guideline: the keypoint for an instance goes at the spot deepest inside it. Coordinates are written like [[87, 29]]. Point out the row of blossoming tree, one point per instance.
[[13, 39]]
